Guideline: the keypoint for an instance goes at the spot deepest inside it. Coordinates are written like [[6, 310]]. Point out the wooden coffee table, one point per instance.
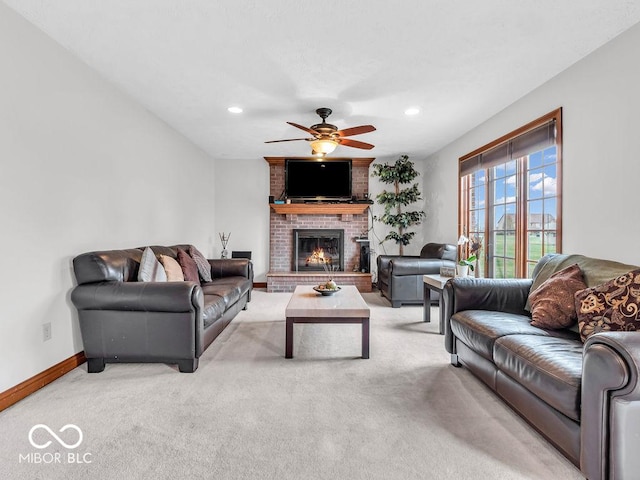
[[308, 306]]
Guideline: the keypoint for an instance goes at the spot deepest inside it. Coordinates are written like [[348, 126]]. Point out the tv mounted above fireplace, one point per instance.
[[317, 180]]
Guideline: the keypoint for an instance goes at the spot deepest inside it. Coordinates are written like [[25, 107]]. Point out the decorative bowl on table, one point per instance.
[[323, 290]]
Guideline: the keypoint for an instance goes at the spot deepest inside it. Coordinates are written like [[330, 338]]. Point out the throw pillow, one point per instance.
[[150, 268], [614, 305], [552, 303], [204, 268], [189, 267], [172, 269]]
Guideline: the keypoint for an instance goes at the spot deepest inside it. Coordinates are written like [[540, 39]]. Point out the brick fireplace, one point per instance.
[[352, 219]]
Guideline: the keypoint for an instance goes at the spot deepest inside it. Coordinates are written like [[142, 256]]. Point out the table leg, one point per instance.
[[365, 338], [441, 312], [426, 316], [288, 341]]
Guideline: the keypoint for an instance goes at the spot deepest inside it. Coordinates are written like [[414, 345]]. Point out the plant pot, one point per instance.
[[462, 270]]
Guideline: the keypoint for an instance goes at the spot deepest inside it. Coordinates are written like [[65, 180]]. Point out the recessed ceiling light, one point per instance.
[[235, 109], [412, 111]]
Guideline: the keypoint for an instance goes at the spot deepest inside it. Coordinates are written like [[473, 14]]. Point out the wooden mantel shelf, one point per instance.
[[319, 208]]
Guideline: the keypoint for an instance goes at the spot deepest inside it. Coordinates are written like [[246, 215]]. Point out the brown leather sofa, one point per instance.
[[400, 277], [123, 320], [584, 398]]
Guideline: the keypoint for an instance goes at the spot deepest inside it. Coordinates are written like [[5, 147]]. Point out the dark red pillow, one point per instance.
[[552, 303], [189, 267]]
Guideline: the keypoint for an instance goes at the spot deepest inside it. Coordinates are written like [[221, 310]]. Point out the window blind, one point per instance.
[[534, 140]]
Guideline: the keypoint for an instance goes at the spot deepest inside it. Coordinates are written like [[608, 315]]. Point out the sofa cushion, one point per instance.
[[549, 367], [204, 267], [479, 329], [172, 269], [243, 283], [151, 269], [552, 303], [214, 308], [230, 292], [188, 266], [614, 305]]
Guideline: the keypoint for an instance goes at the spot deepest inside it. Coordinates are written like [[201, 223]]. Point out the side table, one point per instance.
[[434, 283]]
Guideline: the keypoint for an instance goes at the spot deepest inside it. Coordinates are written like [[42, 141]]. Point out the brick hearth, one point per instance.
[[281, 278], [286, 281]]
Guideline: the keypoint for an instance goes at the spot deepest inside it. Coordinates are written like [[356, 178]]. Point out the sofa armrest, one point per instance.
[[417, 266], [139, 296], [610, 412], [384, 261], [468, 293], [231, 267]]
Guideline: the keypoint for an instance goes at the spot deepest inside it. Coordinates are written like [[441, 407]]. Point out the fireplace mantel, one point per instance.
[[319, 208]]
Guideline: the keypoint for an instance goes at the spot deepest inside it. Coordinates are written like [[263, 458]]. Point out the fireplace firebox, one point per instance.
[[318, 249]]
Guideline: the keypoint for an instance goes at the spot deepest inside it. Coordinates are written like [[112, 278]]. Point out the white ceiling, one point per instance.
[[460, 62]]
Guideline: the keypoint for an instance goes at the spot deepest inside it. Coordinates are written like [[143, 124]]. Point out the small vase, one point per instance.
[[224, 254], [462, 270]]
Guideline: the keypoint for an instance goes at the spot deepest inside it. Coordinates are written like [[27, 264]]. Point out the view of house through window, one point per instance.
[[510, 199]]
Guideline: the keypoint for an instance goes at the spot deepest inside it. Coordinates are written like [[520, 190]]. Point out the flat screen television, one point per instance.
[[317, 180]]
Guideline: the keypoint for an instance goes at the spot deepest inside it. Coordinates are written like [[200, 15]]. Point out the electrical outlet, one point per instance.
[[46, 331]]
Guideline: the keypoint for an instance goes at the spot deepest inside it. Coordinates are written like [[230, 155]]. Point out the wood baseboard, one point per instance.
[[26, 388], [259, 284]]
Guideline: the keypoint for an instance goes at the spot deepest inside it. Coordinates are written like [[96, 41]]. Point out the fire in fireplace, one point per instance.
[[318, 257], [318, 249]]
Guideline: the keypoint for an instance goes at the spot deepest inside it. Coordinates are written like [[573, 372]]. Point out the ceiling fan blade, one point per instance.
[[290, 140], [355, 144], [347, 132], [302, 127]]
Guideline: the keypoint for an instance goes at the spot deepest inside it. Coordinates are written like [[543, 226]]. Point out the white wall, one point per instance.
[[242, 208], [601, 100], [82, 168]]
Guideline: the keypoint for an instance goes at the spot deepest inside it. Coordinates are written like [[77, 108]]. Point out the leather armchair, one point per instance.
[[400, 277]]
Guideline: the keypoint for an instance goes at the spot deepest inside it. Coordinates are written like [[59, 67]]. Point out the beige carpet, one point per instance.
[[249, 413]]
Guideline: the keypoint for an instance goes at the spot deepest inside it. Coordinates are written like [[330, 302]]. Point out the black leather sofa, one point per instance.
[[400, 277], [584, 398], [123, 320]]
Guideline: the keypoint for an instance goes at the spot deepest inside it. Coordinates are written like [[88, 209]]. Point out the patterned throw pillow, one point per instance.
[[189, 267], [172, 269], [552, 303], [614, 305], [204, 268], [150, 268]]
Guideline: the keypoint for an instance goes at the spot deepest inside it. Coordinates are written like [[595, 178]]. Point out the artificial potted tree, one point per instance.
[[400, 173]]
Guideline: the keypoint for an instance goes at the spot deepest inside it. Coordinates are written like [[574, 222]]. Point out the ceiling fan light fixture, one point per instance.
[[326, 137], [324, 146]]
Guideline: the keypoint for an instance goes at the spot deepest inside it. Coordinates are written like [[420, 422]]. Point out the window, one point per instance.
[[510, 198]]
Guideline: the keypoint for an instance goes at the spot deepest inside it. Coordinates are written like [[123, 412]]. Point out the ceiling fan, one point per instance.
[[327, 137]]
